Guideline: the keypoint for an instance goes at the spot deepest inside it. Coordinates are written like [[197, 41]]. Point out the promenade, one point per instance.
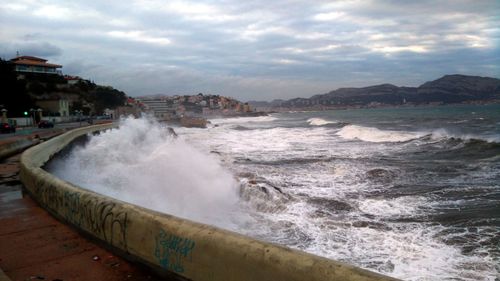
[[36, 246]]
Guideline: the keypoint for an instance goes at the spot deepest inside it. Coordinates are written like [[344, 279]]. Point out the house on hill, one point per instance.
[[56, 106], [31, 64], [72, 80]]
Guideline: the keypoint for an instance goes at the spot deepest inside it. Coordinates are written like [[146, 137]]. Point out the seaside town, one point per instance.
[[42, 95], [250, 140], [39, 91]]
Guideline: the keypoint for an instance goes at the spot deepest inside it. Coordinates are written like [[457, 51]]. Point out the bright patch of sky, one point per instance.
[[255, 50]]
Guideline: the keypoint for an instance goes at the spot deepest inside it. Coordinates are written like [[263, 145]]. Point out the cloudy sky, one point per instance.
[[255, 50]]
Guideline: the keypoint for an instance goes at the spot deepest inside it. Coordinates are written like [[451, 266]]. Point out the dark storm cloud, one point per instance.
[[255, 49], [39, 49]]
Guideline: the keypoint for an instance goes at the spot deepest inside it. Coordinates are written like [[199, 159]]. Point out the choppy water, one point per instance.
[[413, 193]]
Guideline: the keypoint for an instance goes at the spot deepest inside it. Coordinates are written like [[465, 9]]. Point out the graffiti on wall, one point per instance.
[[172, 250], [104, 218]]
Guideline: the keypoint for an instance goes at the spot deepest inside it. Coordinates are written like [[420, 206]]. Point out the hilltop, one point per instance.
[[24, 90], [445, 90]]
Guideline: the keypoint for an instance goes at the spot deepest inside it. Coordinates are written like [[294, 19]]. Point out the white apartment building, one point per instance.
[[159, 108]]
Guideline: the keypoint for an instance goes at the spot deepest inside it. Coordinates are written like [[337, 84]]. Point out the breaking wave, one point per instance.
[[242, 120], [141, 163], [319, 122], [369, 134], [414, 200], [442, 134]]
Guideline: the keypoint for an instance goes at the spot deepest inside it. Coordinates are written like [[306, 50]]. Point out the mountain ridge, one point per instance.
[[453, 88]]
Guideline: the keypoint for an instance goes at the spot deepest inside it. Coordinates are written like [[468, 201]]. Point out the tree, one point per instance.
[[107, 97], [14, 95]]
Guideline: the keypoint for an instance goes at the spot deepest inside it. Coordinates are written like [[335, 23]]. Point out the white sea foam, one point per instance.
[[407, 250], [393, 208], [266, 144], [242, 120], [319, 122], [441, 134], [141, 164], [370, 134]]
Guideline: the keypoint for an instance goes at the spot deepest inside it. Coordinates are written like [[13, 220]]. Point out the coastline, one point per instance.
[[381, 106]]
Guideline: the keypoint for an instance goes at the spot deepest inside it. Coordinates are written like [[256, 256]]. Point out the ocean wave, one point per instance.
[[157, 171], [442, 134], [240, 128], [370, 134], [240, 120], [319, 122]]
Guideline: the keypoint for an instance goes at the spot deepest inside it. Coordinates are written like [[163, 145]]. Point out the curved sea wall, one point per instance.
[[180, 248]]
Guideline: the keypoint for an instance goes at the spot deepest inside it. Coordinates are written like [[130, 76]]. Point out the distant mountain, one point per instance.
[[447, 89]]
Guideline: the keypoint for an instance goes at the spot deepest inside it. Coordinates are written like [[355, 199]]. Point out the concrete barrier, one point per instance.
[[181, 248]]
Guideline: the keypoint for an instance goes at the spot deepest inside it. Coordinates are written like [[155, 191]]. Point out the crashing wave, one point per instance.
[[242, 120], [370, 134], [141, 163], [442, 134], [319, 122]]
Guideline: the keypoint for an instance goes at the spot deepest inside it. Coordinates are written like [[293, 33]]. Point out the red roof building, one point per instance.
[[35, 65]]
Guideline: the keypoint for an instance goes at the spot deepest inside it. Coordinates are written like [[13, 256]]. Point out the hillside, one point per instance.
[[21, 92], [445, 90]]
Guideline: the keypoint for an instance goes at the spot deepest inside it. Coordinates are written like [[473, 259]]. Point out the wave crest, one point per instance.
[[242, 120], [319, 122], [442, 134], [142, 164], [370, 134]]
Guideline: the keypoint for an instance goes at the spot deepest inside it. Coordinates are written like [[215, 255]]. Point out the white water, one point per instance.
[[444, 134], [410, 251], [140, 163], [369, 134], [319, 122]]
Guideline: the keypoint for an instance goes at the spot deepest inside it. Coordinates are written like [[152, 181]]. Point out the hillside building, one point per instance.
[[59, 107], [29, 64], [160, 108]]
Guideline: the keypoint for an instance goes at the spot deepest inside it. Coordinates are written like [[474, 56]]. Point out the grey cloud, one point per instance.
[[261, 49], [39, 49]]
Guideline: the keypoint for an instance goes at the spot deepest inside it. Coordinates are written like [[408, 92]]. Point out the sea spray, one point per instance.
[[374, 193], [141, 163], [417, 199]]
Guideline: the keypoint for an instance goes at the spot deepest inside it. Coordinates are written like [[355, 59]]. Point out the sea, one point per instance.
[[410, 192]]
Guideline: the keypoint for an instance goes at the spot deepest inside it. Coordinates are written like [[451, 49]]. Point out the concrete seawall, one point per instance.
[[181, 248]]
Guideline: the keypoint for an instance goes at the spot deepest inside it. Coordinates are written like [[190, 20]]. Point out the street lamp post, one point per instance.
[[32, 114], [26, 121], [39, 112], [4, 115], [78, 113]]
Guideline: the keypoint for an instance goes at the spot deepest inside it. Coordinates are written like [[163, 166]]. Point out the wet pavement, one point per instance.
[[36, 246]]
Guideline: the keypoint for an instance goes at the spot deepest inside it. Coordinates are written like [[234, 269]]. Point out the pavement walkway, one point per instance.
[[36, 246]]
